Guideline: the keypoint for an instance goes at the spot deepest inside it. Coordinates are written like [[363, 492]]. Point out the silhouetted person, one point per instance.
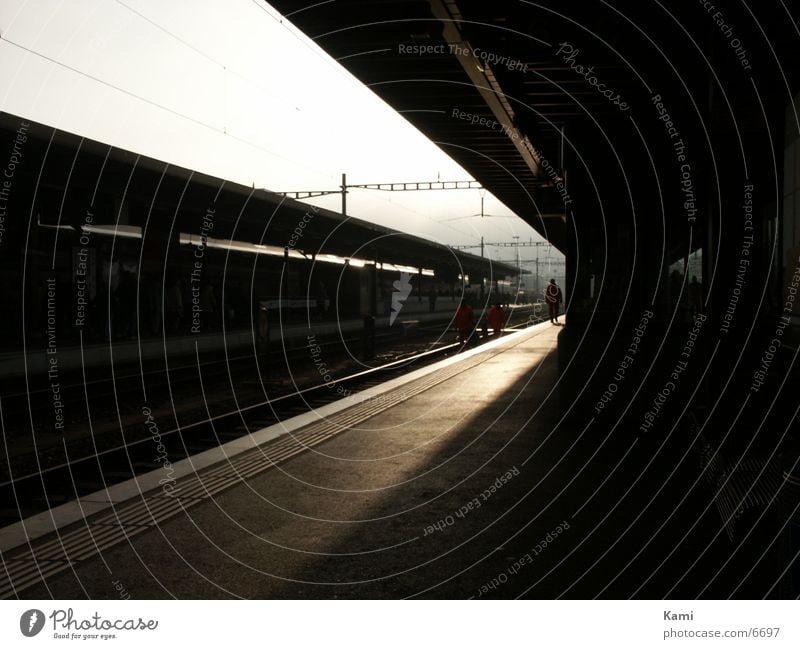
[[432, 300], [465, 321], [497, 319], [553, 297]]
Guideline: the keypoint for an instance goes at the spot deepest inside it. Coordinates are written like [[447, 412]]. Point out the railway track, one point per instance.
[[106, 404], [99, 467]]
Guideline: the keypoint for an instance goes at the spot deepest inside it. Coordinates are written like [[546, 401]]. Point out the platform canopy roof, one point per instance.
[[525, 95], [131, 191]]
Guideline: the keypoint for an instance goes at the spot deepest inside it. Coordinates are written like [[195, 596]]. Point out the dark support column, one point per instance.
[[373, 289], [284, 297], [263, 329], [578, 303], [344, 194], [790, 539], [156, 247], [368, 338]]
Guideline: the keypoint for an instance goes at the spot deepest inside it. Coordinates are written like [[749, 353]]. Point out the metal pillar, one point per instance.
[[344, 194], [283, 299]]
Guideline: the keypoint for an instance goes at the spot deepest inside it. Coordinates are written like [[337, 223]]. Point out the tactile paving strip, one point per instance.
[[18, 572], [751, 485], [28, 567]]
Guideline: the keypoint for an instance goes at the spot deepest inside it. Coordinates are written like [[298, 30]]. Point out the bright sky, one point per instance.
[[229, 88]]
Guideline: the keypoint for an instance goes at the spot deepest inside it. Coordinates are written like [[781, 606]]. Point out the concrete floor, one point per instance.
[[469, 489]]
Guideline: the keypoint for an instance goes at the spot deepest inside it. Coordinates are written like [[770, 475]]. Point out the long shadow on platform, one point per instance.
[[540, 510]]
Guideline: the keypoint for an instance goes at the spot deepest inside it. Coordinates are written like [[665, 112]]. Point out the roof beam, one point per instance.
[[483, 79]]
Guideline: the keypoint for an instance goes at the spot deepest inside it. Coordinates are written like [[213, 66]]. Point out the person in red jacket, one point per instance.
[[552, 295], [465, 321], [496, 318]]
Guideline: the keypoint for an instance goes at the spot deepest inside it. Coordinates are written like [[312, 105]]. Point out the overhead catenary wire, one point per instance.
[[151, 102], [224, 130]]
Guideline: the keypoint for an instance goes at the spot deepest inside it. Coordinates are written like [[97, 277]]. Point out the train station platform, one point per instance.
[[133, 350], [459, 480]]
